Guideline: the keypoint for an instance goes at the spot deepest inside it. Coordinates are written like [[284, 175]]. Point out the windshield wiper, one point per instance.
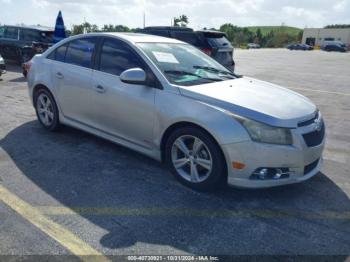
[[215, 70], [179, 72]]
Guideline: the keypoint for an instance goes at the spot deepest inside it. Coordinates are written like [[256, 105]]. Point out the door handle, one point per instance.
[[100, 89], [59, 75]]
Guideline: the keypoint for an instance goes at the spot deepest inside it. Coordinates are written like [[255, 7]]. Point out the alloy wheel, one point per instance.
[[45, 109], [191, 158]]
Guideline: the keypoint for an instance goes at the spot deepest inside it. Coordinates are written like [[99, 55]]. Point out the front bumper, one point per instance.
[[297, 158]]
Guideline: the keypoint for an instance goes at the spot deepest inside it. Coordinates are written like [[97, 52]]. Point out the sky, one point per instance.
[[201, 13]]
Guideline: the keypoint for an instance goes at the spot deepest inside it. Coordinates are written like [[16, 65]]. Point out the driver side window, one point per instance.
[[117, 57]]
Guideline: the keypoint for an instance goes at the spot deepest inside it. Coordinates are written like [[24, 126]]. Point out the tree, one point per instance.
[[115, 28], [182, 21], [258, 36], [85, 27], [338, 26], [77, 29]]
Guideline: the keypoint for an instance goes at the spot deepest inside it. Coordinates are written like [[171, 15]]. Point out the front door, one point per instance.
[[125, 111]]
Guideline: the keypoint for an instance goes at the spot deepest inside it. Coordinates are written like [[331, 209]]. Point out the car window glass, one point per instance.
[[58, 54], [46, 37], [218, 41], [183, 64], [117, 57], [79, 52], [11, 33], [30, 35], [2, 32], [190, 37]]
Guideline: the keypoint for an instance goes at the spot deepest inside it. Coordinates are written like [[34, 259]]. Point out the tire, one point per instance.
[[46, 109], [193, 168]]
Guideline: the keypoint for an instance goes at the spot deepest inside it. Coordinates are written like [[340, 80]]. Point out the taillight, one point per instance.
[[26, 67], [207, 51]]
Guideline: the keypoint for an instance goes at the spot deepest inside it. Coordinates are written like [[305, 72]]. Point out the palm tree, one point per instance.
[[182, 21]]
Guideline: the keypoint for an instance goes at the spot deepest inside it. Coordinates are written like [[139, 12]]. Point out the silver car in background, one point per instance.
[[170, 101]]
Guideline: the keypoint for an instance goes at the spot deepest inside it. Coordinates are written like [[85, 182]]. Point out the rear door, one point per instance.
[[72, 77]]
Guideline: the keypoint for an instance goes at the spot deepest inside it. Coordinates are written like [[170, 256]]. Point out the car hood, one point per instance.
[[254, 99]]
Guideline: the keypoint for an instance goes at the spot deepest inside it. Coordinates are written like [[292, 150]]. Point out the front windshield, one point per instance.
[[185, 65]]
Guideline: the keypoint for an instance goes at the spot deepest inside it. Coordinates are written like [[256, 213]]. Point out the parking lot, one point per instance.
[[71, 193]]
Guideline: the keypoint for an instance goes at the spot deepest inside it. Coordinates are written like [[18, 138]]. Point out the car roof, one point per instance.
[[170, 28], [35, 27], [137, 37]]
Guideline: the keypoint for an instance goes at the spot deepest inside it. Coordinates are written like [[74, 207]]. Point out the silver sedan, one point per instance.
[[168, 100]]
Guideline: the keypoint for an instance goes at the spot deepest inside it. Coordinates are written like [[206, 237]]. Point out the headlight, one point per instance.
[[1, 60], [263, 133]]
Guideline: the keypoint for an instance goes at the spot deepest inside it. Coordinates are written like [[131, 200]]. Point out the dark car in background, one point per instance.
[[335, 47], [303, 47], [21, 43], [213, 43]]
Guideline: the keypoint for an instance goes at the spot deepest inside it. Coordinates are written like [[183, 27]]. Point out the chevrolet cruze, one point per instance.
[[170, 101]]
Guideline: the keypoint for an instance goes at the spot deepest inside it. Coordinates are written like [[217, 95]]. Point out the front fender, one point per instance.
[[175, 108]]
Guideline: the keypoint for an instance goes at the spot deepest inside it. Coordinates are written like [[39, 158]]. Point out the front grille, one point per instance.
[[310, 167], [315, 138]]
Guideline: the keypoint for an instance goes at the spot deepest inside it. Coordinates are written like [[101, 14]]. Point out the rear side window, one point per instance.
[[188, 37], [218, 41], [117, 57], [46, 36], [58, 54], [11, 33], [30, 35], [80, 51]]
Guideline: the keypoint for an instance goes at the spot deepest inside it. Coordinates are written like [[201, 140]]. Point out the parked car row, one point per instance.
[[21, 43], [303, 47], [327, 46], [337, 47]]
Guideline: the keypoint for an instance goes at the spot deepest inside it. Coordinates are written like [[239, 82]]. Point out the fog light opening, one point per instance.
[[265, 173]]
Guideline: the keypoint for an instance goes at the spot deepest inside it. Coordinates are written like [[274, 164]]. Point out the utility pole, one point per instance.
[[144, 19]]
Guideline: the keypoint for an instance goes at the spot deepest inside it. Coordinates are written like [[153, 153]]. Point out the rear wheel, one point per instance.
[[196, 159], [46, 109]]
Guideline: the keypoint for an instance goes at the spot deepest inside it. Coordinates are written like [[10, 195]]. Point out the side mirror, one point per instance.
[[135, 76]]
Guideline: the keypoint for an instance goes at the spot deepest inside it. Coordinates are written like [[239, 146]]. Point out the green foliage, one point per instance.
[[267, 29], [182, 21], [337, 26], [115, 28], [264, 36], [88, 28], [84, 27]]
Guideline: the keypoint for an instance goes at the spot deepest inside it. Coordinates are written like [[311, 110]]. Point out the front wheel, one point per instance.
[[196, 159]]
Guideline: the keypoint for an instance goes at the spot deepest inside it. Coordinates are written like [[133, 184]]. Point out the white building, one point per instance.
[[317, 36]]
